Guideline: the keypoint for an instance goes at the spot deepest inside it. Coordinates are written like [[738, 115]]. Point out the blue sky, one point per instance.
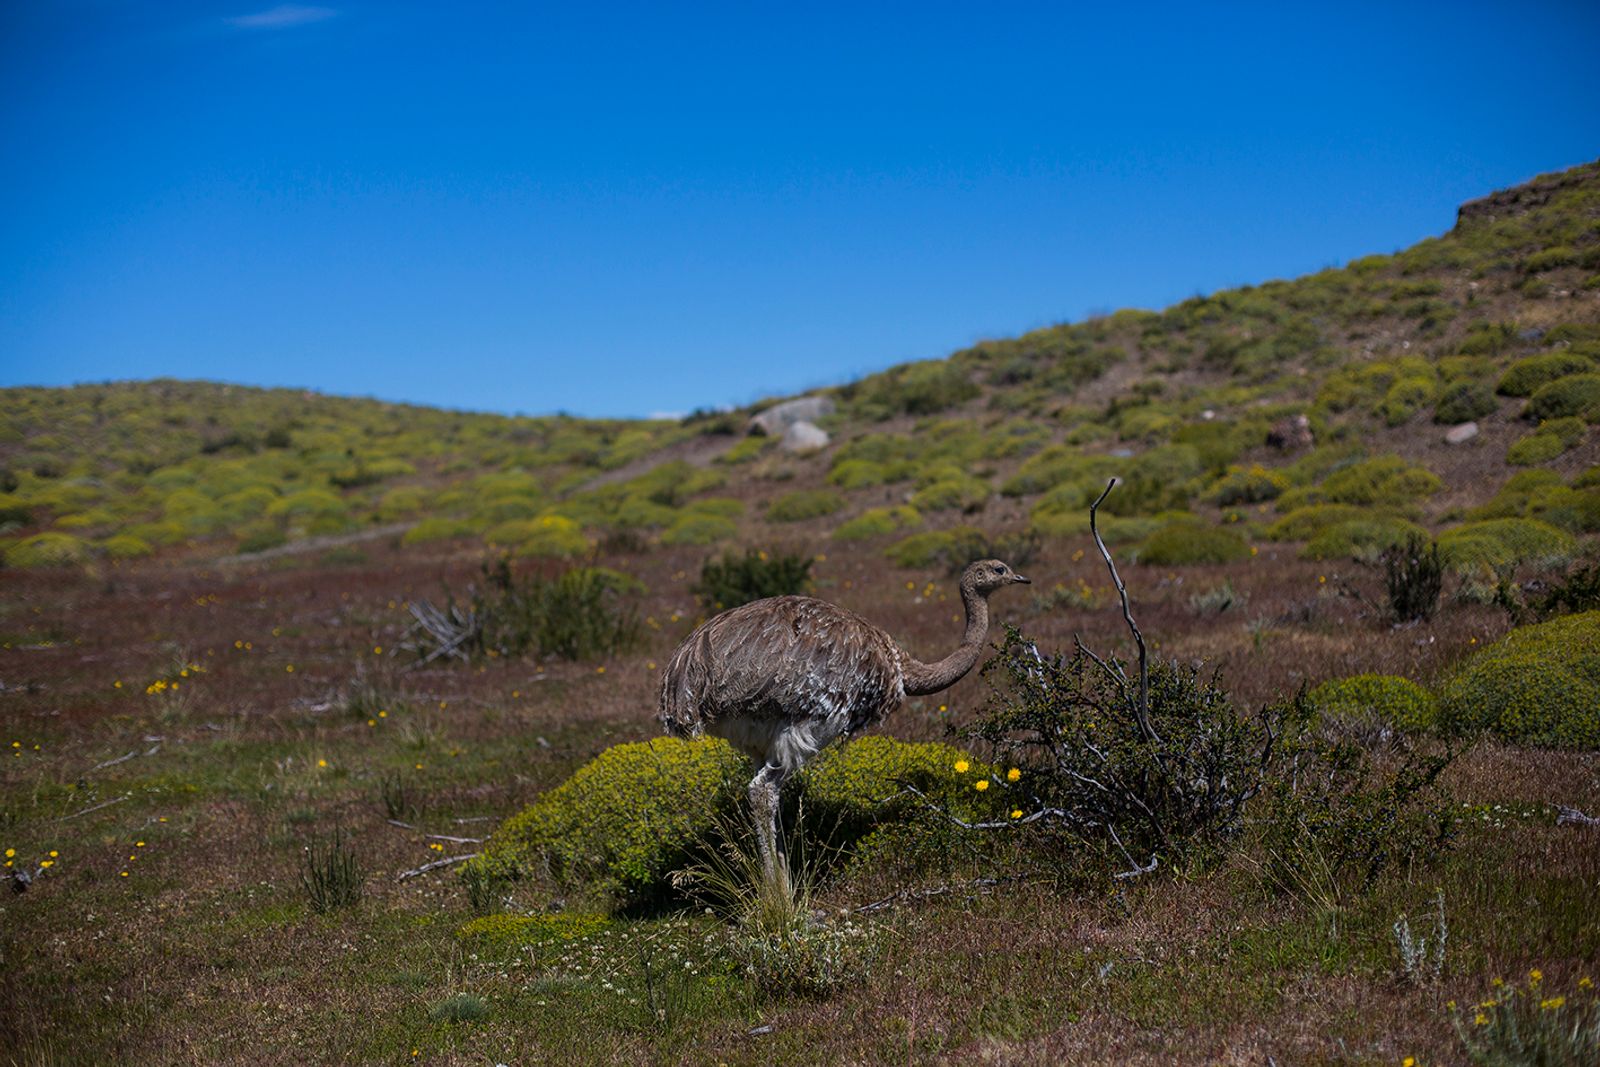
[[622, 210]]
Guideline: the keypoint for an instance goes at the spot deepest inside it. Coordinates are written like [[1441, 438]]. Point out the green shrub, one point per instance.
[[1413, 577], [851, 789], [1482, 547], [1384, 698], [952, 490], [1527, 375], [876, 522], [1463, 401], [805, 504], [305, 503], [48, 550], [638, 812], [1576, 395], [926, 549], [1250, 485], [1384, 480], [459, 1008], [1550, 440], [125, 546], [1360, 539], [1185, 543], [861, 473], [1405, 398], [733, 580], [917, 388], [260, 536], [330, 874], [699, 529], [552, 537], [1304, 523], [579, 614], [435, 528], [1539, 685]]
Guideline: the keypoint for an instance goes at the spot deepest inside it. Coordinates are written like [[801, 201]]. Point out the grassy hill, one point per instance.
[[209, 661]]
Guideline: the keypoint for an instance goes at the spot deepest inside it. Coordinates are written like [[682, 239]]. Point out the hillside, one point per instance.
[[1497, 322], [214, 675]]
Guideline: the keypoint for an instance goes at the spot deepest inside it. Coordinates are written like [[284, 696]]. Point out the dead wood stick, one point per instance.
[[97, 807], [436, 837], [435, 865], [1141, 704], [114, 762]]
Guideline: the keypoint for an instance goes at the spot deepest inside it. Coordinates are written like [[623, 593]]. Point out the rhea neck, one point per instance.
[[924, 678]]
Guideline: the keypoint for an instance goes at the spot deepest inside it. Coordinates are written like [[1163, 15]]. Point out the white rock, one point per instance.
[[1460, 435], [778, 418], [802, 437]]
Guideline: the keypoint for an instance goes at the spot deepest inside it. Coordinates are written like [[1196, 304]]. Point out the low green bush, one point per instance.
[[1383, 699], [552, 537], [125, 546], [1185, 543], [738, 579], [1576, 395], [1361, 539], [1481, 548], [1550, 440], [48, 550], [1463, 401], [436, 528], [1248, 485], [1304, 523], [1387, 480], [1540, 685], [805, 504], [952, 490], [877, 522], [699, 529], [926, 549], [1405, 398], [629, 818], [581, 613], [260, 536], [1527, 375]]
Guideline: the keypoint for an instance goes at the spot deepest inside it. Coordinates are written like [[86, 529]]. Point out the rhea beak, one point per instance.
[[1019, 578]]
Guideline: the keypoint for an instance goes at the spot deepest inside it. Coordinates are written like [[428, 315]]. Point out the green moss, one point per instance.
[[1527, 375], [535, 932], [1186, 543], [1576, 395], [877, 522], [1391, 700], [1540, 685], [805, 504]]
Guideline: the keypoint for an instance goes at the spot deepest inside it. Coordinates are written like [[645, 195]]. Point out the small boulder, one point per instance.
[[803, 437], [1460, 435], [1290, 434], [778, 418]]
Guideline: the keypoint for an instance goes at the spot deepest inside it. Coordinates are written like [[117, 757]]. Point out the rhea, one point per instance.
[[782, 678]]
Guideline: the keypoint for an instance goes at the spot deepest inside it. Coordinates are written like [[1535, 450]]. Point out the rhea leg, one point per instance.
[[765, 788]]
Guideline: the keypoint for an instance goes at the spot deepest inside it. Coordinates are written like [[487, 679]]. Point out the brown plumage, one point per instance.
[[782, 678]]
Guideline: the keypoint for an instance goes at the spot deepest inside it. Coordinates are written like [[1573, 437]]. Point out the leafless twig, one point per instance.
[[1141, 703], [114, 762], [436, 837], [1565, 815], [435, 865], [927, 893], [97, 807]]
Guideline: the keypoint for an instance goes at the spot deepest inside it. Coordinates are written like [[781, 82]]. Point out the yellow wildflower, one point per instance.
[[1585, 983], [46, 863], [1480, 1019], [1552, 1004], [10, 852], [1409, 1061], [54, 853], [961, 766], [1013, 774], [1535, 976], [1016, 813], [322, 763], [981, 784]]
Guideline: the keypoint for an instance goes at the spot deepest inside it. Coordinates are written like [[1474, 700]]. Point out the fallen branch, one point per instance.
[[928, 893], [436, 837], [1565, 815], [1141, 703], [97, 807], [114, 762], [435, 865]]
